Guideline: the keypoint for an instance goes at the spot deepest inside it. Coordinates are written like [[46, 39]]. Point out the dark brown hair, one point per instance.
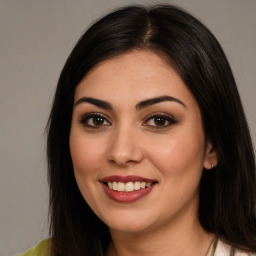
[[227, 193]]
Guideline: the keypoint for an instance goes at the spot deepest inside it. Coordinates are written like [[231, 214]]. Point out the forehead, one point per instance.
[[135, 75]]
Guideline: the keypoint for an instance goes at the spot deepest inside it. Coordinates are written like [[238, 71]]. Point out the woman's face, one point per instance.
[[137, 143]]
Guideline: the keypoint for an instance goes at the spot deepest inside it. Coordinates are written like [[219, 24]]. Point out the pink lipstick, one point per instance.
[[127, 188]]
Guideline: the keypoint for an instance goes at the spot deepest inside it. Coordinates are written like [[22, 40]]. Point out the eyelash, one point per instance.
[[165, 117], [84, 120]]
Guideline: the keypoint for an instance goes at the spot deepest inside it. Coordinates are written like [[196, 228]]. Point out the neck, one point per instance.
[[186, 238]]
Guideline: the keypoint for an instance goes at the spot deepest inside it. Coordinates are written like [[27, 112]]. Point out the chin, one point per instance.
[[128, 228], [129, 223]]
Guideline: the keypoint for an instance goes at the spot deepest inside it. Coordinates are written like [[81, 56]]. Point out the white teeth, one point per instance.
[[120, 186], [129, 186], [143, 184], [110, 185], [137, 185], [114, 186]]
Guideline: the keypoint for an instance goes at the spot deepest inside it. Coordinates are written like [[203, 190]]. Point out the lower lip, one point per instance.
[[127, 197]]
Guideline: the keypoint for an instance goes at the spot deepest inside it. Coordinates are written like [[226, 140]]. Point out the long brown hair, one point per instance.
[[227, 193]]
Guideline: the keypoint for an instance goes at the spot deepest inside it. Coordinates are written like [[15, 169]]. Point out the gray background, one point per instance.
[[35, 40]]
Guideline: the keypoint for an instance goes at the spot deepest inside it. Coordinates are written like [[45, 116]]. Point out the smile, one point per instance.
[[127, 188]]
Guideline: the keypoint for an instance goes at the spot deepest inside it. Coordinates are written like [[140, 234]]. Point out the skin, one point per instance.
[[130, 141]]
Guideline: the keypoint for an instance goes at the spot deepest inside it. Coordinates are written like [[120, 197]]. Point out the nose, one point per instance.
[[125, 148]]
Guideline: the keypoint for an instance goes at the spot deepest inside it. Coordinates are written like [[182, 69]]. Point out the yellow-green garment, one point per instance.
[[211, 250], [42, 249]]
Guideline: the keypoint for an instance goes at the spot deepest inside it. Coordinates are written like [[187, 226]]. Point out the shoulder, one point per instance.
[[224, 249], [42, 249]]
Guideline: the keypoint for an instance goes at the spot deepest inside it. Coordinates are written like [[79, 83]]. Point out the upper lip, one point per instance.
[[125, 179]]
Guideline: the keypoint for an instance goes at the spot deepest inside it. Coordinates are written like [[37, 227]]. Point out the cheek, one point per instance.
[[86, 154], [86, 158], [179, 154], [179, 161]]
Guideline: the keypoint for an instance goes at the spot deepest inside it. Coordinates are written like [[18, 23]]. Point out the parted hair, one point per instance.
[[227, 192]]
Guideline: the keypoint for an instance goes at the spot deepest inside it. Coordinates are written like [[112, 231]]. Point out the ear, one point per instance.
[[210, 159]]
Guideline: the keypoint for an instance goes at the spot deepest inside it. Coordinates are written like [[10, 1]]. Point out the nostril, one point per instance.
[[125, 158]]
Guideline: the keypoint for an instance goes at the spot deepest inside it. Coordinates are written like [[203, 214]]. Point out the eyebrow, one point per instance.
[[150, 102], [96, 102], [141, 105]]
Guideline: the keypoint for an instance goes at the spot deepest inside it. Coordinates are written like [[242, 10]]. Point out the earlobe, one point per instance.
[[210, 159]]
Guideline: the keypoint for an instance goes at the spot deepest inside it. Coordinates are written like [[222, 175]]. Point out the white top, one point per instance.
[[224, 249]]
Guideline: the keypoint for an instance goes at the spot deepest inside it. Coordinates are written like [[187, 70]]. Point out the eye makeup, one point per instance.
[[159, 120], [94, 120], [156, 120]]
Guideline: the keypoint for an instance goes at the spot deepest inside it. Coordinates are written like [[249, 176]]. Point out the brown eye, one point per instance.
[[98, 120], [160, 121], [94, 121]]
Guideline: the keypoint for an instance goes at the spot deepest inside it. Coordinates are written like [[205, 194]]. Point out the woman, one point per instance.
[[149, 150]]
